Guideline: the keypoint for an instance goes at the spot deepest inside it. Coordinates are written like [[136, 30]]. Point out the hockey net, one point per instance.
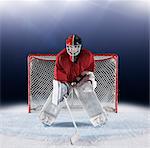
[[41, 75]]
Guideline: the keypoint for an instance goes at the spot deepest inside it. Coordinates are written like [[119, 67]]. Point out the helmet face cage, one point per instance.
[[73, 45], [73, 50]]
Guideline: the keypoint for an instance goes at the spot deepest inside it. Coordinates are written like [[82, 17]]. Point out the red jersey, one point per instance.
[[67, 71]]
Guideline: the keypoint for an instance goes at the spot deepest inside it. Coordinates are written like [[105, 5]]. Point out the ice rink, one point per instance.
[[129, 128]]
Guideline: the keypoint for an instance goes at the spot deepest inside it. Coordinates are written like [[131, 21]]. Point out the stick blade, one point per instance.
[[74, 138]]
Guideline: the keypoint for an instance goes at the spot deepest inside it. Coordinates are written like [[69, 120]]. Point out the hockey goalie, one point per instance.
[[74, 74]]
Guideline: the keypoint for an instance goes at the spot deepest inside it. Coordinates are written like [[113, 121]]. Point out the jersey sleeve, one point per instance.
[[59, 73], [91, 65]]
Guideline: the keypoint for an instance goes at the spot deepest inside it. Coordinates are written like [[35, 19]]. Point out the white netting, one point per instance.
[[41, 73]]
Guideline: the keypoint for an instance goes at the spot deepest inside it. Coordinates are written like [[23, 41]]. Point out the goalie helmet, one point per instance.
[[73, 46]]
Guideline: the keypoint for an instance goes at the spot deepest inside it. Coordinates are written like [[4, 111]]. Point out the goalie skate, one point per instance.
[[46, 118], [99, 120]]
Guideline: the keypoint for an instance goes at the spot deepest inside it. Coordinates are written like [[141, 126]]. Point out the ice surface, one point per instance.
[[128, 128]]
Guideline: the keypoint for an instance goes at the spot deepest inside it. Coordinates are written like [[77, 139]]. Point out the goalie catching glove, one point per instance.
[[87, 76]]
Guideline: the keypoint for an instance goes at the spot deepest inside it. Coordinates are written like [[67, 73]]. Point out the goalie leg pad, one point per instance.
[[59, 90], [89, 100], [50, 111]]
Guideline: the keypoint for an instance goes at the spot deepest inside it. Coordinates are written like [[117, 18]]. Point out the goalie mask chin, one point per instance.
[[73, 47]]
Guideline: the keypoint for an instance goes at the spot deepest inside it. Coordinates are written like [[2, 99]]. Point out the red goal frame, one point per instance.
[[112, 55]]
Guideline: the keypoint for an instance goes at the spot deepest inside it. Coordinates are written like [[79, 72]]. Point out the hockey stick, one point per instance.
[[76, 135]]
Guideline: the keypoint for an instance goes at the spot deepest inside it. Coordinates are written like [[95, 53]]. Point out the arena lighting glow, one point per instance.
[[94, 1], [137, 4], [140, 6]]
